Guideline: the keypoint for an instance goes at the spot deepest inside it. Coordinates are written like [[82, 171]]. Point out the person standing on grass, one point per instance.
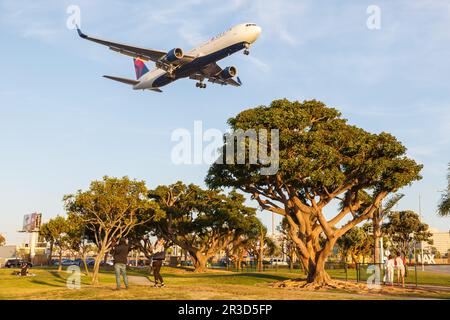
[[120, 256], [400, 269], [159, 255], [390, 269]]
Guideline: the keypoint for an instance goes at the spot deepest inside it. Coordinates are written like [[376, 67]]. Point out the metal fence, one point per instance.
[[426, 275], [338, 270], [415, 274]]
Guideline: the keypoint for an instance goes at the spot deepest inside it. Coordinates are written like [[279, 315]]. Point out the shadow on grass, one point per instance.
[[44, 283], [56, 274], [225, 276]]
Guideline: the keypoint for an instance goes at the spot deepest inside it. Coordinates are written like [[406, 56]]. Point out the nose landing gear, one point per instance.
[[247, 47]]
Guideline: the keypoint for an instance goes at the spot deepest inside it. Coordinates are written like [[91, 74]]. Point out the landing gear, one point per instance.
[[200, 85], [247, 47]]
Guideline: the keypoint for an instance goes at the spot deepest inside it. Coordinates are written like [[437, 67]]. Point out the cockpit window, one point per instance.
[[250, 24]]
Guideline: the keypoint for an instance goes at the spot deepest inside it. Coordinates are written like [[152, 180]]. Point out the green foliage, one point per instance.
[[356, 242], [405, 228], [111, 208], [55, 230], [322, 158], [201, 221], [319, 151], [444, 205], [260, 238]]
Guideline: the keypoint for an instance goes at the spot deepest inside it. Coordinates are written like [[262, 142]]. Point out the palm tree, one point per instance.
[[377, 219], [444, 206]]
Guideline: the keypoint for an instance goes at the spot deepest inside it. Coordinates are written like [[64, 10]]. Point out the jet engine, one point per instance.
[[174, 55], [228, 72]]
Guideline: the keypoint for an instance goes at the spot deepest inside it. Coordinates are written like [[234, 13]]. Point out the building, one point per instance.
[[441, 241], [6, 253]]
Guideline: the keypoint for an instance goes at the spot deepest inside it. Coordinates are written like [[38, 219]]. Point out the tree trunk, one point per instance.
[[85, 264], [376, 238], [98, 259], [199, 262], [292, 257], [354, 259], [60, 260], [261, 252], [315, 268], [49, 260]]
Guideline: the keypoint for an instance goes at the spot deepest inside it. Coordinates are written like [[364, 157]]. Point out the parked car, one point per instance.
[[16, 263], [90, 262], [278, 262], [132, 263], [68, 262], [54, 262], [78, 262], [186, 263], [225, 262]]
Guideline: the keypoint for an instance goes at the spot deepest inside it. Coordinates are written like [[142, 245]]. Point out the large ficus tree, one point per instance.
[[321, 159], [109, 210], [202, 222]]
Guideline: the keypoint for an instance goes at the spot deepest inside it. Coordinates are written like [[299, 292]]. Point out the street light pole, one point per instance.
[[421, 242]]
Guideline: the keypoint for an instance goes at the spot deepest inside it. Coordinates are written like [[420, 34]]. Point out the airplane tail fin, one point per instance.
[[140, 68]]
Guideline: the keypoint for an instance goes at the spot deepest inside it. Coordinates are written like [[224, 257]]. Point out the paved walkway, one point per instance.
[[427, 287], [140, 281], [413, 286]]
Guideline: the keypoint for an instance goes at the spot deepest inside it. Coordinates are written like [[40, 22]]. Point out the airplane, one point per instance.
[[197, 64]]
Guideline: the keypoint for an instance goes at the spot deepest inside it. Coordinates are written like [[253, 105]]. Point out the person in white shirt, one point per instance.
[[399, 265], [390, 269]]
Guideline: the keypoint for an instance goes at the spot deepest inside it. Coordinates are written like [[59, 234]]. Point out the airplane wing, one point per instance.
[[212, 72], [136, 52]]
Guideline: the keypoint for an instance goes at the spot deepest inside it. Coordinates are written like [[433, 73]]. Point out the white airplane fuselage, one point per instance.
[[235, 39]]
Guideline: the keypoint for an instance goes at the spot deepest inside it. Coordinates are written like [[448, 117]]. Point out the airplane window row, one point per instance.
[[250, 24]]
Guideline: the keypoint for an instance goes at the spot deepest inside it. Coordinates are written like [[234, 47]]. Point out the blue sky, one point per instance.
[[63, 125]]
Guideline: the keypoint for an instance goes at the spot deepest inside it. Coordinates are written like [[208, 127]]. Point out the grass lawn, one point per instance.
[[181, 284]]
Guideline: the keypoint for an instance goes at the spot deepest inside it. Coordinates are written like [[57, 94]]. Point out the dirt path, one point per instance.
[[140, 281]]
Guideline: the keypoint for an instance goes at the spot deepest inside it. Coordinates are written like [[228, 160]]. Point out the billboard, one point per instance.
[[31, 222]]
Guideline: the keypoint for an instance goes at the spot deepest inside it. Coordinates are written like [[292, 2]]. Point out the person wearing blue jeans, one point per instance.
[[120, 255], [121, 269]]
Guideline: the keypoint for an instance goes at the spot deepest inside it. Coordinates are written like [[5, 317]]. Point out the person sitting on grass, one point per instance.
[[24, 269], [120, 256], [159, 254]]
